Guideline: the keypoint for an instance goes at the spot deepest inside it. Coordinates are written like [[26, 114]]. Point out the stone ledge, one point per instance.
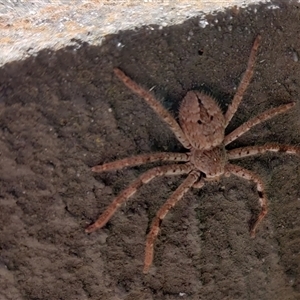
[[27, 27]]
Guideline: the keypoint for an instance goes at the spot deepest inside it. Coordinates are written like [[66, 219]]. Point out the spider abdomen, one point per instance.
[[201, 120]]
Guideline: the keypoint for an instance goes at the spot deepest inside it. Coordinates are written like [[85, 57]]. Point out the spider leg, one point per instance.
[[141, 159], [133, 187], [244, 82], [246, 174], [155, 227], [199, 184], [254, 150], [155, 105], [270, 113]]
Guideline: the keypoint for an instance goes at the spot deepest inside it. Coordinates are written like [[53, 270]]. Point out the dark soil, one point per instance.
[[63, 112]]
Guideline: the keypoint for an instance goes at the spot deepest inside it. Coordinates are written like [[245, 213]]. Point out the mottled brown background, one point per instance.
[[63, 112]]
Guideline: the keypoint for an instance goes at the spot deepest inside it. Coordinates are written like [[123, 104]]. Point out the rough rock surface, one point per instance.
[[63, 111]]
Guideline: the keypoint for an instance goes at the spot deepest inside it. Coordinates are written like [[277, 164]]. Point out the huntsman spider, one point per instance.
[[202, 132]]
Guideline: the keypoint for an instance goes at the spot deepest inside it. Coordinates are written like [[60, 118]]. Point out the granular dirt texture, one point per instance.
[[63, 112]]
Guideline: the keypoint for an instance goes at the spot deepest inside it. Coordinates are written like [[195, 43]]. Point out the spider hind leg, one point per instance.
[[248, 175]]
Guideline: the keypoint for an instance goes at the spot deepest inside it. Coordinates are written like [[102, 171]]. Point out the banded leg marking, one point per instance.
[[155, 227], [246, 174], [244, 82], [133, 187], [155, 105]]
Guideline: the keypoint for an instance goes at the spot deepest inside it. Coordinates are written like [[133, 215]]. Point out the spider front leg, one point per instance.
[[246, 174], [244, 82], [133, 187], [171, 202], [155, 105]]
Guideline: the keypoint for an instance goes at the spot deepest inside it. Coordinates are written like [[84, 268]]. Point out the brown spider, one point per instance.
[[202, 131]]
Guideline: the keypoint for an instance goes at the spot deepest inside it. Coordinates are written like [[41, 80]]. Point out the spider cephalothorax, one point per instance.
[[210, 162], [201, 130]]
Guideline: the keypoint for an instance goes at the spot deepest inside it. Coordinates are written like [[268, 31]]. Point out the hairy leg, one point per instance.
[[244, 82], [141, 159], [155, 105], [155, 227], [133, 187], [254, 150], [256, 120], [246, 174]]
